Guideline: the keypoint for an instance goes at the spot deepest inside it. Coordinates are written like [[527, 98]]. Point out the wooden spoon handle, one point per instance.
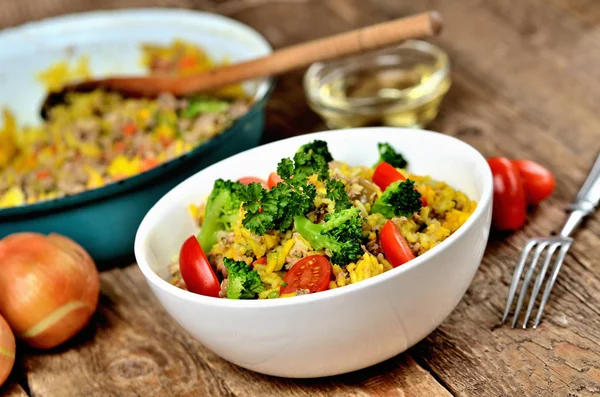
[[297, 56]]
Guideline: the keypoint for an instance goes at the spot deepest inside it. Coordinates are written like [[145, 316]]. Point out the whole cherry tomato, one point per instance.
[[510, 205], [538, 182]]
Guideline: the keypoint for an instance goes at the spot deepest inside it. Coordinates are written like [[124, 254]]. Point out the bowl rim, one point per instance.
[[29, 29], [155, 280]]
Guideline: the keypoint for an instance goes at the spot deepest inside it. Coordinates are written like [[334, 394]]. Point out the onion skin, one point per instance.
[[49, 287], [7, 350]]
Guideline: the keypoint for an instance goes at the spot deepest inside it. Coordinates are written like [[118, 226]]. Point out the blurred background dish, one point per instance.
[[105, 218]]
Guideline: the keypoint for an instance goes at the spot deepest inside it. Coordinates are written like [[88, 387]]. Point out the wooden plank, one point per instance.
[[585, 10], [12, 389]]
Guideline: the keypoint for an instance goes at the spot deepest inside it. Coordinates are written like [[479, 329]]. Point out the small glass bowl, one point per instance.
[[401, 86]]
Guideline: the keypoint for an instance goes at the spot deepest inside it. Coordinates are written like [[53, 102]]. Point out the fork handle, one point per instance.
[[585, 202]]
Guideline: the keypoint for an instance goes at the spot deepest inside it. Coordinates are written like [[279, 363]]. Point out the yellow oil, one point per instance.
[[388, 96]]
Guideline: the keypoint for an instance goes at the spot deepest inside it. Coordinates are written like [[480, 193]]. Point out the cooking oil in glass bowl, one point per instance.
[[401, 87]]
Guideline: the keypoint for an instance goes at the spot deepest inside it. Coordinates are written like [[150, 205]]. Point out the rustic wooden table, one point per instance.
[[526, 84]]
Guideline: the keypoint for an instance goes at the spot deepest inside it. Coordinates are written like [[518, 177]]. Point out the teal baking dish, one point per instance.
[[104, 220]]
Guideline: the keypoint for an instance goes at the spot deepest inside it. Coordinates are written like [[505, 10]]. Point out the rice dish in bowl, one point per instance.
[[315, 224], [341, 329]]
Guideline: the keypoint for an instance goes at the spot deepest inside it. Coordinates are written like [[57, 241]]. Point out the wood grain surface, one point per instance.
[[526, 83]]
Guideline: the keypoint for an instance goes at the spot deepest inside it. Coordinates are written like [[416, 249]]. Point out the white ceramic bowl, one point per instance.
[[339, 330]]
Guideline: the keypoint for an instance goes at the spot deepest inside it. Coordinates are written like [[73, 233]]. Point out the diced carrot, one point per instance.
[[187, 61], [260, 261], [129, 129], [119, 146], [43, 174], [165, 141], [148, 164]]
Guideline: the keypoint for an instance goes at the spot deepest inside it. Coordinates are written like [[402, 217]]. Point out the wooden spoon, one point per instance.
[[372, 37]]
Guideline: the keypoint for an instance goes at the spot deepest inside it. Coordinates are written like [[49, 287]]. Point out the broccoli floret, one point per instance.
[[399, 199], [317, 147], [222, 210], [389, 155], [276, 208], [244, 283], [341, 234]]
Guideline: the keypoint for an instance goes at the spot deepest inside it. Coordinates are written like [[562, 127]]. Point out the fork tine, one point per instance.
[[539, 280], [516, 276], [527, 279], [559, 261]]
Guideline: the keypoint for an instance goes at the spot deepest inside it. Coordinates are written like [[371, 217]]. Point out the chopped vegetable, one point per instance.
[[198, 275], [317, 147], [204, 105], [222, 210], [389, 155], [311, 273], [394, 245], [246, 180], [399, 199], [341, 234], [273, 180], [385, 174], [244, 283]]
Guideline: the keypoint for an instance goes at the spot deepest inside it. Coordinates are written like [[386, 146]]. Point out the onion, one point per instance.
[[7, 350], [49, 287]]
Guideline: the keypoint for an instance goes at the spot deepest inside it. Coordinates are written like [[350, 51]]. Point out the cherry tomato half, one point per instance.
[[538, 182], [198, 275], [395, 247], [510, 206], [250, 179], [311, 273], [385, 174], [273, 180]]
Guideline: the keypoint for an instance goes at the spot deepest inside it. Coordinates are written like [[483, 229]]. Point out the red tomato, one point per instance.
[[250, 179], [311, 273], [273, 180], [196, 271], [538, 182], [509, 212], [394, 245], [385, 174]]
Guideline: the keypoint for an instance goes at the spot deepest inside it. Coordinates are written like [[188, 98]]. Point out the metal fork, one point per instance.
[[585, 203]]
